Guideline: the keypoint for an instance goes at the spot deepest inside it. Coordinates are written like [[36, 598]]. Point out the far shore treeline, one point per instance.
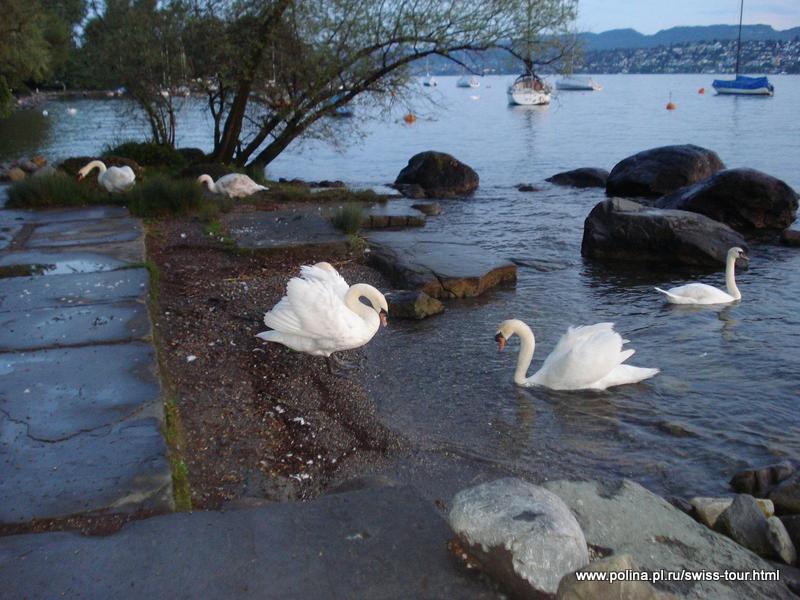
[[269, 71]]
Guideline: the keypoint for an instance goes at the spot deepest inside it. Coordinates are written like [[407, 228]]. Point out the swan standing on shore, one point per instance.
[[701, 293], [585, 358], [320, 314], [113, 179], [233, 185]]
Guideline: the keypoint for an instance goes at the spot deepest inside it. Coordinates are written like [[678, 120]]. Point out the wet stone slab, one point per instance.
[[27, 293], [393, 215], [260, 230], [115, 468], [73, 325], [61, 215], [63, 263], [374, 543], [440, 267], [81, 233]]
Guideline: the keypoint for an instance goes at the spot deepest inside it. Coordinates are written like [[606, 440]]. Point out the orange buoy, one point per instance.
[[701, 91], [671, 106], [409, 118]]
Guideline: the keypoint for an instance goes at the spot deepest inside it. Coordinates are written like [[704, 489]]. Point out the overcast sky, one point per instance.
[[649, 16]]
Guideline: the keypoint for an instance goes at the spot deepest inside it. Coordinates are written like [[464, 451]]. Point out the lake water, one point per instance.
[[728, 395]]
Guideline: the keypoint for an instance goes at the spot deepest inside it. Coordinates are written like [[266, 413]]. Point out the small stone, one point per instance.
[[571, 589], [431, 209], [410, 190], [527, 187], [16, 174], [582, 178], [790, 237], [45, 171], [780, 542], [708, 510], [786, 495], [745, 524], [410, 304], [39, 161], [759, 482], [522, 535]]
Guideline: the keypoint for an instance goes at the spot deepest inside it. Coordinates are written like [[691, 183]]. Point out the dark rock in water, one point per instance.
[[215, 170], [744, 199], [659, 171], [192, 155], [431, 209], [585, 177], [571, 588], [527, 187], [325, 183], [410, 304], [71, 166], [440, 267], [619, 229], [411, 190], [759, 482], [792, 525], [789, 575], [745, 524], [520, 534], [439, 174], [786, 496], [790, 237], [780, 542]]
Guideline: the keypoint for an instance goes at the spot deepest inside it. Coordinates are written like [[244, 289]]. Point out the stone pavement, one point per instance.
[[379, 543], [80, 400]]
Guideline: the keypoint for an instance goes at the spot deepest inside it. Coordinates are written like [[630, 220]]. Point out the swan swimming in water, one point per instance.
[[233, 185], [320, 314], [701, 293], [113, 179], [585, 358]]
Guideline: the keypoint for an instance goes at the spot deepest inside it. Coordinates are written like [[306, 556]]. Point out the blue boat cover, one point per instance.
[[743, 83]]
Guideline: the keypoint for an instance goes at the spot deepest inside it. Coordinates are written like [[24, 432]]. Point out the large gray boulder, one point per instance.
[[744, 199], [584, 177], [627, 519], [571, 588], [745, 524], [440, 175], [619, 229], [780, 541], [658, 171], [520, 534], [786, 496]]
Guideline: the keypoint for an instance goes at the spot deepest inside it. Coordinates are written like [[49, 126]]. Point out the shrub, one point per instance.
[[149, 154], [349, 218], [74, 164], [55, 190], [160, 195], [192, 155]]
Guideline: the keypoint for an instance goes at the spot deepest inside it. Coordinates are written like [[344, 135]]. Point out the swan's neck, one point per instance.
[[95, 164], [526, 347], [730, 278], [352, 300], [212, 187]]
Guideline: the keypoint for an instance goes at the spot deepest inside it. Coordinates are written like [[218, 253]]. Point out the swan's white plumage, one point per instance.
[[112, 179], [314, 316], [701, 293], [233, 185], [588, 357]]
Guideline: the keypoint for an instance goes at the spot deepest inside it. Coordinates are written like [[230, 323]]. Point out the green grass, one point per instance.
[[350, 218], [56, 190], [160, 196], [181, 489]]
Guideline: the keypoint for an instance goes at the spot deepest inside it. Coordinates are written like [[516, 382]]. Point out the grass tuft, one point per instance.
[[56, 190], [148, 154], [161, 195], [349, 218]]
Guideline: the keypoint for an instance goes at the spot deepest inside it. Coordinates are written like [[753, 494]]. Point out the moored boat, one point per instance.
[[578, 84], [468, 82], [528, 90]]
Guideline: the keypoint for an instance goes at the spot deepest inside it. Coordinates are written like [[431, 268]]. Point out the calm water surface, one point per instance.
[[729, 392]]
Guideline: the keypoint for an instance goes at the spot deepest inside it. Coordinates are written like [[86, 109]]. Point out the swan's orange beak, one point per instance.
[[501, 341], [384, 318]]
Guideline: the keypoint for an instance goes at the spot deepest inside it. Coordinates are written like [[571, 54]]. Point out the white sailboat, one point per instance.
[[468, 82], [573, 83], [429, 81], [528, 90]]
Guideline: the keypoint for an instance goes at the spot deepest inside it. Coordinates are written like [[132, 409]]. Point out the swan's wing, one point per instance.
[[312, 309], [330, 276], [700, 293], [583, 356]]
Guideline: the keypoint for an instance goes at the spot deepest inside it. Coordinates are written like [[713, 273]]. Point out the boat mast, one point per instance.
[[739, 41]]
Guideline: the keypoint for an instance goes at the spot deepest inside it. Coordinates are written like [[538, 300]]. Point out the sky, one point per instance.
[[649, 16]]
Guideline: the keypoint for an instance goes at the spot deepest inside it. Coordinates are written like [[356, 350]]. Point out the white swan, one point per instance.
[[319, 317], [700, 293], [585, 358], [113, 179], [233, 185]]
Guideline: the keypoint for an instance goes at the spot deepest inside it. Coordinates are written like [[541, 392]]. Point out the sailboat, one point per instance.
[[429, 80], [742, 85]]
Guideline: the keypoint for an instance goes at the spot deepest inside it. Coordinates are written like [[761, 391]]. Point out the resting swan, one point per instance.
[[113, 179], [700, 293], [585, 358], [320, 314], [233, 185]]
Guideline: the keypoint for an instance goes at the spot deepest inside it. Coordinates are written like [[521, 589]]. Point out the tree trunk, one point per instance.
[[233, 123]]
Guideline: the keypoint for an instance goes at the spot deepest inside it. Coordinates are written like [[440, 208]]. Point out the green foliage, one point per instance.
[[55, 190], [160, 196], [349, 218], [149, 154]]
